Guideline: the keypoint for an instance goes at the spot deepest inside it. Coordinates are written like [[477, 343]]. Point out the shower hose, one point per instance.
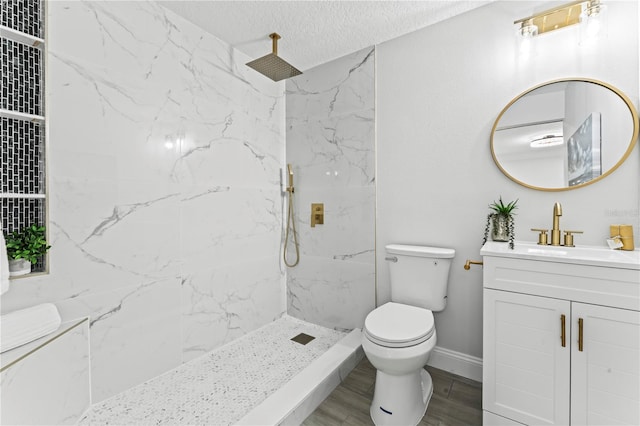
[[291, 224]]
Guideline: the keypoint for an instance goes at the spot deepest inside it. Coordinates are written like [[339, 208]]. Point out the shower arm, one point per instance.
[[274, 44]]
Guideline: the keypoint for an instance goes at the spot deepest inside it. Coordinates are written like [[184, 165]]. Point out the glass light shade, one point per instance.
[[525, 42], [593, 23], [528, 29]]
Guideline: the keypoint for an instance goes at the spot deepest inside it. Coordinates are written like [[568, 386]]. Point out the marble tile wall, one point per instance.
[[330, 132], [165, 208]]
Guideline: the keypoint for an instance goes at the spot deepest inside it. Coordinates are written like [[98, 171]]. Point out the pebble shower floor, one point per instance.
[[219, 388]]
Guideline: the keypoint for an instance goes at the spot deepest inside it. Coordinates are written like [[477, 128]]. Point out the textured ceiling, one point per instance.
[[314, 32]]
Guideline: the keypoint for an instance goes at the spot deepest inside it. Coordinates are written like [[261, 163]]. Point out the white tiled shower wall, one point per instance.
[[165, 208], [331, 146]]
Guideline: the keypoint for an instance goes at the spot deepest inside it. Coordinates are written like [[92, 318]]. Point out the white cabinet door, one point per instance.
[[525, 367], [605, 372]]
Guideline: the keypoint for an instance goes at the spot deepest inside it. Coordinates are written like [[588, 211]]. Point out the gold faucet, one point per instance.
[[555, 231]]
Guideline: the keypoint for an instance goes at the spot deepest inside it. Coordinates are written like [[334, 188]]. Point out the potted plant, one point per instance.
[[24, 248], [500, 221]]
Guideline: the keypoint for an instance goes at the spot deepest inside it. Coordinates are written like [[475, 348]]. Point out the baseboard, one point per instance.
[[457, 363]]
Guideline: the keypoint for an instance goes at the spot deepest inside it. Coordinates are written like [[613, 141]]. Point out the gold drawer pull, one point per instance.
[[580, 339]]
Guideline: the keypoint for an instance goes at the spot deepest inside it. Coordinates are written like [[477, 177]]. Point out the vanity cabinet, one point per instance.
[[525, 368], [605, 385], [561, 341]]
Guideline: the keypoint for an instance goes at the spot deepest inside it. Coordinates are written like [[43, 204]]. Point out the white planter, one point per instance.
[[19, 267]]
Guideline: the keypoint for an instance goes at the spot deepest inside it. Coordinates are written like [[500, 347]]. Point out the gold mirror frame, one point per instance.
[[632, 142]]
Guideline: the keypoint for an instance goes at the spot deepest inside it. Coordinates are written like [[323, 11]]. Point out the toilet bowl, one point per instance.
[[398, 337], [398, 340]]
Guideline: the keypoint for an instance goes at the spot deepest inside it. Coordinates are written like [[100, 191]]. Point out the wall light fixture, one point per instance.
[[560, 17]]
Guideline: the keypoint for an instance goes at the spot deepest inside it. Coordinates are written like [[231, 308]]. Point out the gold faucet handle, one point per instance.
[[568, 238], [542, 238]]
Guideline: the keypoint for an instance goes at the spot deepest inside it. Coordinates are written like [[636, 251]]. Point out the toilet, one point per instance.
[[398, 337]]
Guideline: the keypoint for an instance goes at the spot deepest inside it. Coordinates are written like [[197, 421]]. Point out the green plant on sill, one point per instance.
[[28, 243], [501, 209]]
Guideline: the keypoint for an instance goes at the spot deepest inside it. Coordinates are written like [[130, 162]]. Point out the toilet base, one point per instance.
[[401, 400]]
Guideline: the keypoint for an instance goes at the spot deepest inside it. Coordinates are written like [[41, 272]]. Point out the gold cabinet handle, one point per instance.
[[580, 328], [563, 334]]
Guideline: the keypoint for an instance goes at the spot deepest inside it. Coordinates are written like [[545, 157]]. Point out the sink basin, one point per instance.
[[584, 255]]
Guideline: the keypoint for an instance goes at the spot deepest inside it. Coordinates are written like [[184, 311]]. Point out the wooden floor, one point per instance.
[[456, 401]]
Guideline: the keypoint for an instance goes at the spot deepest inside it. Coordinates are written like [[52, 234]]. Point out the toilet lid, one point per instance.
[[398, 325]]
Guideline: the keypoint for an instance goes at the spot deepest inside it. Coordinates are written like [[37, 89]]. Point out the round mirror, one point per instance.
[[564, 134]]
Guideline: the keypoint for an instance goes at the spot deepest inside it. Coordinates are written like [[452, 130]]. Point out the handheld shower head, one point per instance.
[[290, 172], [272, 65], [291, 223]]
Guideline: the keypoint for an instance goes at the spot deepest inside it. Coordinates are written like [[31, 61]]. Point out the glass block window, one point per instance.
[[18, 211], [23, 15], [21, 77], [22, 156], [22, 138]]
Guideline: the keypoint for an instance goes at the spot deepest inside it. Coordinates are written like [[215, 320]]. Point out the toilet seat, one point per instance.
[[396, 325]]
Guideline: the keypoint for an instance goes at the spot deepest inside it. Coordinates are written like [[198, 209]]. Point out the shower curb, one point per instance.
[[293, 402]]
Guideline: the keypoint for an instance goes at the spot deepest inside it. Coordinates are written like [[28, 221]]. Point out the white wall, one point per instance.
[[165, 209], [439, 91]]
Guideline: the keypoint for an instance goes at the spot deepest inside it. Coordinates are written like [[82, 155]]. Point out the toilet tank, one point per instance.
[[419, 275]]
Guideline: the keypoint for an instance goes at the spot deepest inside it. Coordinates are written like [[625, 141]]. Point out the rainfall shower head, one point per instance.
[[272, 65]]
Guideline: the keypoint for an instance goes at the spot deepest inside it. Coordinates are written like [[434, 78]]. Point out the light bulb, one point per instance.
[[593, 23]]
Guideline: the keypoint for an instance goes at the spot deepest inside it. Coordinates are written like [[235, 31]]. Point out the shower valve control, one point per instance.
[[317, 214]]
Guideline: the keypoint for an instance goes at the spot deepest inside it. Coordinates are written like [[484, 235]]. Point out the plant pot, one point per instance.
[[499, 227], [19, 267]]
